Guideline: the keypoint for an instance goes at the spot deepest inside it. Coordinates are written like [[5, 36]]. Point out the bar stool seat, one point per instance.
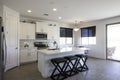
[[58, 60], [79, 55], [71, 57], [72, 60], [59, 70]]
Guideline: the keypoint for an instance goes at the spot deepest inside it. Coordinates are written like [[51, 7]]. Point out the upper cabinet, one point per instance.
[[41, 27], [53, 32], [51, 28], [27, 31]]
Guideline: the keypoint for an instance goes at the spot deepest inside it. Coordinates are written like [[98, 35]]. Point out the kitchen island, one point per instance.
[[45, 66]]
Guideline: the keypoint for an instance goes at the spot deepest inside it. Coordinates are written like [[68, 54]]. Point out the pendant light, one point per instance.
[[76, 26]]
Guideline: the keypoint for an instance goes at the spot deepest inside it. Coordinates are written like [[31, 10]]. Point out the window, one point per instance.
[[88, 35], [66, 36]]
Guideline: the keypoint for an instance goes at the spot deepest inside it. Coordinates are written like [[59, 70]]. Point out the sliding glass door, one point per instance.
[[113, 41]]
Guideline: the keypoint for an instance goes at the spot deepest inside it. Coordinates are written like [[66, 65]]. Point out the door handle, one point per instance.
[[16, 48]]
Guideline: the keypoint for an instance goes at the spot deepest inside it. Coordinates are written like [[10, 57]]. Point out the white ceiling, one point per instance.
[[69, 10]]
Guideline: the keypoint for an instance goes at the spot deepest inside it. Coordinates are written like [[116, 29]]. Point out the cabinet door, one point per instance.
[[41, 27], [32, 56], [23, 30], [30, 31], [28, 55], [23, 56], [45, 27], [27, 31], [53, 32]]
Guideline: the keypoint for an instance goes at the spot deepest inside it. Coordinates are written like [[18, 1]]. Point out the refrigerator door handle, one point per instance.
[[16, 48]]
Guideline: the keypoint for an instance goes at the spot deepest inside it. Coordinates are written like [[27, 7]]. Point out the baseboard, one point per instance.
[[28, 62], [95, 57]]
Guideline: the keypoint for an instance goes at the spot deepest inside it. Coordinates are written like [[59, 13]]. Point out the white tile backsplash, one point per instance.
[[28, 42]]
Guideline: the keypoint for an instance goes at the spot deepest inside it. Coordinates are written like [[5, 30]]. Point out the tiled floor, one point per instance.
[[98, 70]]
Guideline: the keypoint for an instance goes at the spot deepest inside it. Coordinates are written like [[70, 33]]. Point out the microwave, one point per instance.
[[41, 36]]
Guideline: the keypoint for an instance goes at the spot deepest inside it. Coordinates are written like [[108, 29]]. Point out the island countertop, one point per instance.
[[62, 50], [44, 58]]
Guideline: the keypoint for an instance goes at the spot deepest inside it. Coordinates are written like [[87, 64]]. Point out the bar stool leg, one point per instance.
[[56, 69], [67, 67], [60, 69], [78, 64], [72, 66], [84, 66], [74, 69]]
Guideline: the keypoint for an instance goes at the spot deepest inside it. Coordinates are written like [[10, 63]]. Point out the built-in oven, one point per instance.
[[42, 36], [41, 45]]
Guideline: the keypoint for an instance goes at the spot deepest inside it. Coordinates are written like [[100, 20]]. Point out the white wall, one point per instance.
[[29, 19], [98, 50], [1, 9]]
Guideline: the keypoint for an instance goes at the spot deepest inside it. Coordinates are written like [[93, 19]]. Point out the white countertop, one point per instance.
[[63, 50], [44, 58]]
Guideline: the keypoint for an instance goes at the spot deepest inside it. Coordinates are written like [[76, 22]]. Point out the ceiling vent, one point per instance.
[[46, 14]]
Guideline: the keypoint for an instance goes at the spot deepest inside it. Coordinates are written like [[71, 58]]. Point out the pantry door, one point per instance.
[[11, 25]]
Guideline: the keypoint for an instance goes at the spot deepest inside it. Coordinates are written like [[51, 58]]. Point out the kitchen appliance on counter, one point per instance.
[[52, 45], [42, 36]]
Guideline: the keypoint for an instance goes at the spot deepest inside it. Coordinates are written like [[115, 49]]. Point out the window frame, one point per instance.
[[90, 32], [66, 35]]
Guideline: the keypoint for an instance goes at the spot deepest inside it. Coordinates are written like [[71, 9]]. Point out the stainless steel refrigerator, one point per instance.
[[1, 51]]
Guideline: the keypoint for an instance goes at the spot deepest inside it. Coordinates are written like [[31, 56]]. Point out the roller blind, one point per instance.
[[88, 31], [66, 32]]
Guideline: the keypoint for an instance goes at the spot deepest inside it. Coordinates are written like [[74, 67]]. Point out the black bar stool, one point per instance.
[[82, 66], [71, 68], [79, 64], [59, 70]]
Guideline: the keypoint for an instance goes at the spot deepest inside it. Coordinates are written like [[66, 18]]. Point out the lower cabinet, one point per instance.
[[28, 55]]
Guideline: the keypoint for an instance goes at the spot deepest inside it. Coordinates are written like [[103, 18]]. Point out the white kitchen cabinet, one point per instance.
[[41, 27], [53, 32], [27, 31], [51, 28], [28, 55], [48, 27]]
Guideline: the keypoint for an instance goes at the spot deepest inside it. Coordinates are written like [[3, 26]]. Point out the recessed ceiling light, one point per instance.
[[54, 9], [59, 17], [29, 11]]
